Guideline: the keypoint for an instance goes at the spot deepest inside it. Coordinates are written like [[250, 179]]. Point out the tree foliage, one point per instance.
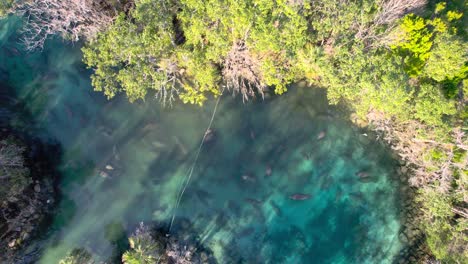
[[5, 6], [78, 256], [143, 248], [445, 234], [190, 49], [431, 106]]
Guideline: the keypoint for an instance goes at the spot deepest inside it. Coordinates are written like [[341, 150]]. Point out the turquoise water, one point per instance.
[[234, 205]]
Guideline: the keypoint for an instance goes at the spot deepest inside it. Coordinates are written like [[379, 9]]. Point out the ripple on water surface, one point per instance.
[[240, 198]]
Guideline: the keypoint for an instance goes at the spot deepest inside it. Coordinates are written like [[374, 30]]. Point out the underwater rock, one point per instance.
[[248, 178], [12, 243], [104, 174], [321, 135], [37, 188], [300, 196], [403, 238], [209, 135], [403, 170], [204, 257]]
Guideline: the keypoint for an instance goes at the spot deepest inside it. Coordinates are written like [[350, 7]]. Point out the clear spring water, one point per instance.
[[241, 219]]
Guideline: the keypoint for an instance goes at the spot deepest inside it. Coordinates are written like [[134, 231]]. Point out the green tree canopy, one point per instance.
[[191, 48]]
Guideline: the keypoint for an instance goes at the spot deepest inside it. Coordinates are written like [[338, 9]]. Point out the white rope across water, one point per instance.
[[190, 172]]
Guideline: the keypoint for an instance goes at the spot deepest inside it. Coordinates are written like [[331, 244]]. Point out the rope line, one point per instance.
[[190, 172]]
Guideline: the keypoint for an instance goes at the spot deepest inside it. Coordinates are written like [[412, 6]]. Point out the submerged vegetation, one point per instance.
[[400, 65]]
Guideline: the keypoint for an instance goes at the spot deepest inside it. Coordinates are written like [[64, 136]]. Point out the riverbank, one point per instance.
[[411, 234], [29, 193], [29, 180]]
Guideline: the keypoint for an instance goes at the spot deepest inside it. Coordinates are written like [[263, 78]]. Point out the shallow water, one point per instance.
[[248, 219]]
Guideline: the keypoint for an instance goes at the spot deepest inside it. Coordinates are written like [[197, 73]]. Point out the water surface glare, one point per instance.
[[238, 201]]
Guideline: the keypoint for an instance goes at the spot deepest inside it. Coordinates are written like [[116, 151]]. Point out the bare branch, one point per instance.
[[402, 137], [241, 72], [395, 9], [72, 19]]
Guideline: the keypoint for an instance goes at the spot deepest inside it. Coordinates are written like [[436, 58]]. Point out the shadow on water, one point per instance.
[[125, 163]]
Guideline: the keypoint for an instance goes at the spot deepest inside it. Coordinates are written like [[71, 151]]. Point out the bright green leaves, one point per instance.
[[440, 7], [454, 15], [201, 77], [144, 249], [126, 56], [273, 31], [414, 41], [431, 105], [445, 235], [139, 52], [448, 59], [370, 81]]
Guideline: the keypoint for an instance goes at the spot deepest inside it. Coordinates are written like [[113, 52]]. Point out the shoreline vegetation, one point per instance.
[[149, 245], [400, 66], [28, 191]]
